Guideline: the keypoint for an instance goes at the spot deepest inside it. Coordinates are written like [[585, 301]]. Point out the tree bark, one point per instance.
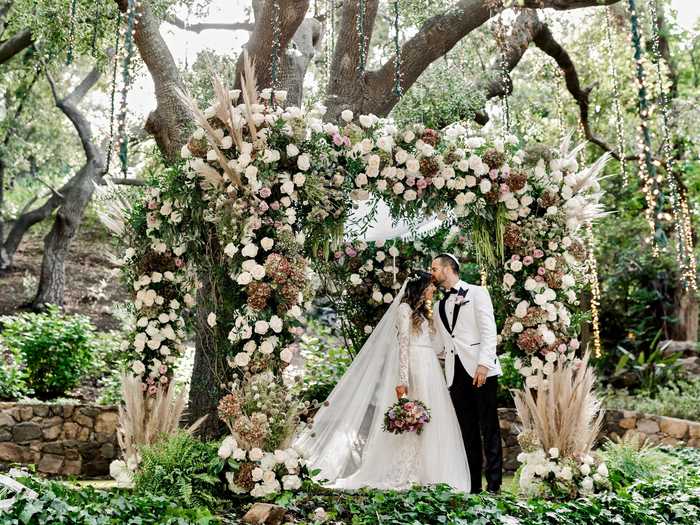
[[15, 44]]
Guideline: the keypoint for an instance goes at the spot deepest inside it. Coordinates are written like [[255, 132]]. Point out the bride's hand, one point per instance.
[[401, 391]]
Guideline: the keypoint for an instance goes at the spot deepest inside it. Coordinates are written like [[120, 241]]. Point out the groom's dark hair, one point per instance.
[[448, 260]]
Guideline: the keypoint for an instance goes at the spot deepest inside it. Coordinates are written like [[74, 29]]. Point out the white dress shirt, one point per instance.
[[473, 338]]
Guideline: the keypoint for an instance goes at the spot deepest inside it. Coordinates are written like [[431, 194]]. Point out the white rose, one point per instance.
[[211, 319], [550, 263], [286, 355], [242, 359], [303, 162], [521, 309], [587, 484], [377, 296], [585, 469], [267, 243], [258, 272], [276, 324], [410, 195], [554, 453], [485, 185], [366, 121], [261, 327], [388, 298], [603, 470], [517, 327], [346, 115], [244, 278], [355, 279], [508, 280], [138, 367], [257, 474], [398, 188], [292, 150], [266, 347], [256, 454], [249, 250]]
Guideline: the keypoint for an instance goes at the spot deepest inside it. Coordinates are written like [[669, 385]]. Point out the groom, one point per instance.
[[468, 338]]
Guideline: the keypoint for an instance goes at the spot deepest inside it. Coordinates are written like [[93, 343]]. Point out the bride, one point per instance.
[[346, 441]]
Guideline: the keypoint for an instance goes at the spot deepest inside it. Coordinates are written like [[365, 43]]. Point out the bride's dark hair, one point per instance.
[[414, 297]]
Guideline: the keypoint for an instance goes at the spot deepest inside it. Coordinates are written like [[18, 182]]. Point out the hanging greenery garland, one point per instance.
[[95, 29], [616, 97], [595, 289], [647, 168], [276, 44], [131, 20], [684, 239], [113, 95], [71, 32]]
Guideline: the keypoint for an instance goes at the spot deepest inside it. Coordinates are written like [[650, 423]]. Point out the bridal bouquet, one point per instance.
[[406, 415]]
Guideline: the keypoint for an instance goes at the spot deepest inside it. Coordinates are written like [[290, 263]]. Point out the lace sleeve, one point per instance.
[[404, 326]]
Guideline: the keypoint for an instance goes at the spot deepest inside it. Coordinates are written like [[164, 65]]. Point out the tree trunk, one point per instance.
[[209, 373], [686, 310], [57, 241]]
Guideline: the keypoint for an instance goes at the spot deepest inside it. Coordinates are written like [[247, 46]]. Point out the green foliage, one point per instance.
[[628, 463], [55, 347], [679, 399], [665, 494], [13, 383], [326, 360], [646, 371], [57, 503], [510, 379], [183, 467], [109, 363]]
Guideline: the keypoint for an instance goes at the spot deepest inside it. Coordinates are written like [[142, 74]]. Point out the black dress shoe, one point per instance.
[[495, 490]]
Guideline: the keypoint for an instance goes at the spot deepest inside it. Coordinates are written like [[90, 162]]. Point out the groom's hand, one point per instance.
[[480, 376]]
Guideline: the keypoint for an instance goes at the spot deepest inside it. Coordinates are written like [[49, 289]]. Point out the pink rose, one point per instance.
[[540, 271], [152, 390], [265, 192], [539, 278], [528, 260], [493, 174], [263, 207], [538, 253], [179, 262], [338, 254], [515, 257], [152, 205], [504, 188], [561, 347], [350, 251], [275, 205], [411, 180], [574, 344], [422, 184], [163, 369], [337, 139]]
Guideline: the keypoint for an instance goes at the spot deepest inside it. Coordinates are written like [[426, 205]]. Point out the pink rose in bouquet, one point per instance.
[[406, 415]]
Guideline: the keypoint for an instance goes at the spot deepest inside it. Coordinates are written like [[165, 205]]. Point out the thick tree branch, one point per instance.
[[69, 108], [434, 39], [203, 26], [15, 44], [260, 45], [4, 9], [169, 122], [546, 42]]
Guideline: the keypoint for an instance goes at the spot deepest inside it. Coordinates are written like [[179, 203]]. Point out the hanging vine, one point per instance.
[[616, 97]]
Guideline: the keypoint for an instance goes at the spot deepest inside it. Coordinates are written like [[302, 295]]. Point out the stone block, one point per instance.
[[68, 411], [53, 432], [71, 454], [14, 453], [676, 428], [72, 468], [70, 430], [52, 448], [694, 442], [25, 431], [694, 429], [51, 421], [266, 513], [670, 441], [627, 422], [26, 413], [50, 464], [6, 435], [84, 434], [41, 410], [6, 419], [648, 426], [102, 437], [107, 422], [89, 411], [83, 420]]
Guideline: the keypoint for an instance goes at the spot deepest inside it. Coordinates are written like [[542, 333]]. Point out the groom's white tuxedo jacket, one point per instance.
[[467, 328]]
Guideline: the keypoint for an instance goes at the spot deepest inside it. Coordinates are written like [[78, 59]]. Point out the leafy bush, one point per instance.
[[326, 362], [13, 384], [510, 379], [183, 467], [58, 503], [55, 348], [628, 462], [679, 399]]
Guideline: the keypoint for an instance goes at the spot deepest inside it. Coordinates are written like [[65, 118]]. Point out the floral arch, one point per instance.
[[259, 202]]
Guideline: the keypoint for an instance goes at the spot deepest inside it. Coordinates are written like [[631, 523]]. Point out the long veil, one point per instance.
[[353, 413]]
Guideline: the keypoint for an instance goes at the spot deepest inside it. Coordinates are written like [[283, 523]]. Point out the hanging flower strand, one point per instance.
[[616, 97], [132, 20], [71, 32], [397, 49], [113, 95], [684, 241]]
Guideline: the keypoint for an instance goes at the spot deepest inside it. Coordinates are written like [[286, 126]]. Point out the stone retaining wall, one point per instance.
[[657, 429], [59, 439], [81, 440]]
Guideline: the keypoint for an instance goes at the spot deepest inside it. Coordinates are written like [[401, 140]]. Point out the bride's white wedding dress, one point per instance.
[[346, 441]]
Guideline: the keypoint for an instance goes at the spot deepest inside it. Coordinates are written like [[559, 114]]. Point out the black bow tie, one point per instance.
[[451, 291]]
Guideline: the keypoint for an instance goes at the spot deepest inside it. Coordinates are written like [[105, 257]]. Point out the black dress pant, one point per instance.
[[478, 420]]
